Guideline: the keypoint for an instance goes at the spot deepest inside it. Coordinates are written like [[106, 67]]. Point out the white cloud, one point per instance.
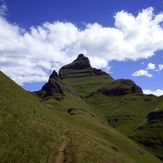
[[142, 73], [157, 92], [151, 66], [27, 56], [160, 66]]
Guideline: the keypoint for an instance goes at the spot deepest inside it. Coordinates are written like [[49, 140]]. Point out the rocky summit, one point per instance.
[[81, 62], [80, 67]]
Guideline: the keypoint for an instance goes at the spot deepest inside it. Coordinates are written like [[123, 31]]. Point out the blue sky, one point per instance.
[[35, 12], [121, 37]]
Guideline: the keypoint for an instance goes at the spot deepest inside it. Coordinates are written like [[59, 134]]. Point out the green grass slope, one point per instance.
[[28, 131], [31, 132], [85, 85], [93, 130], [124, 112], [150, 132], [129, 114]]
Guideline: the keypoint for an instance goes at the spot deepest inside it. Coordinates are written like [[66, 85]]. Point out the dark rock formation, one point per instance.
[[74, 111], [81, 62], [80, 67], [155, 115], [120, 87], [54, 75], [54, 87]]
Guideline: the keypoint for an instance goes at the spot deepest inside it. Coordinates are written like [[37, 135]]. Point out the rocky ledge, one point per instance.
[[155, 115], [120, 87]]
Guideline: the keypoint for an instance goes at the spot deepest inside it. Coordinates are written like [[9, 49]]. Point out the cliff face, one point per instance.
[[53, 88], [120, 87]]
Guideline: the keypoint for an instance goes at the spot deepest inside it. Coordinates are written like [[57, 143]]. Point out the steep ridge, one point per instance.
[[31, 132]]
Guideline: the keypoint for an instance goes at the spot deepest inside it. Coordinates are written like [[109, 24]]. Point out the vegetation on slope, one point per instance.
[[150, 132], [31, 132]]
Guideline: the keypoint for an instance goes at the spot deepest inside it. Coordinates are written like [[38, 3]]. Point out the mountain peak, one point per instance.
[[81, 56], [81, 62], [54, 74], [80, 67]]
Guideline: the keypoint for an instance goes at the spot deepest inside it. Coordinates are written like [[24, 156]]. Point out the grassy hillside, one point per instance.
[[129, 114], [33, 132], [119, 103], [85, 85], [28, 131], [150, 132], [125, 113]]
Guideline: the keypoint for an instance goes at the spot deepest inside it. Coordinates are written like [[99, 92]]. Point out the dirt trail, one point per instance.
[[61, 153]]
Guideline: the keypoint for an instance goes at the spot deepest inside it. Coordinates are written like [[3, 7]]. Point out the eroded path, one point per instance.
[[62, 153]]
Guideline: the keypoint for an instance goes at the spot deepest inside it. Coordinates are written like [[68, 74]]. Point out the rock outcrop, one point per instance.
[[155, 115], [53, 88], [120, 87], [80, 67], [81, 62]]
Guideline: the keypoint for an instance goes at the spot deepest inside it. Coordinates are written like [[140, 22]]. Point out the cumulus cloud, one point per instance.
[[27, 56], [142, 73], [160, 66], [145, 72], [157, 92], [151, 66]]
